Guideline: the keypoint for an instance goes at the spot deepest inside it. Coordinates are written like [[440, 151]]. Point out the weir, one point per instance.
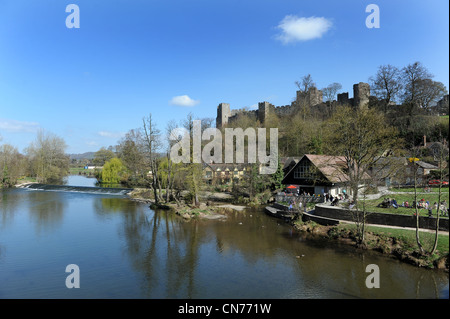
[[79, 189]]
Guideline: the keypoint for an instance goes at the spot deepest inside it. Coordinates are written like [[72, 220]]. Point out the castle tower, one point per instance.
[[312, 97], [223, 113], [263, 111], [361, 94]]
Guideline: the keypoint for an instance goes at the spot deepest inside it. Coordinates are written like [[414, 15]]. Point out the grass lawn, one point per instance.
[[76, 170], [432, 197]]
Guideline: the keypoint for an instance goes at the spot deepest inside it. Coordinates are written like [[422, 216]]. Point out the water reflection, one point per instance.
[[46, 209], [8, 203], [126, 250], [218, 259], [105, 206]]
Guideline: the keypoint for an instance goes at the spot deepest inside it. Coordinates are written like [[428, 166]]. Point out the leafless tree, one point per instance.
[[305, 84], [152, 146], [386, 84], [329, 93]]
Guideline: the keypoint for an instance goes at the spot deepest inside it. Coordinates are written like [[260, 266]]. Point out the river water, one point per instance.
[[123, 249]]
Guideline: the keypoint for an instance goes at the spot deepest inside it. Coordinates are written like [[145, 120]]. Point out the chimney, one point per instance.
[[424, 141]]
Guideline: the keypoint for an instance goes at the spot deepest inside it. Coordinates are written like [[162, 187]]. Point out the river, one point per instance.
[[123, 249]]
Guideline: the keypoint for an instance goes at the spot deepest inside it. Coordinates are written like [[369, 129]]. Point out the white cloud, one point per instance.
[[295, 29], [183, 100], [111, 134], [18, 126]]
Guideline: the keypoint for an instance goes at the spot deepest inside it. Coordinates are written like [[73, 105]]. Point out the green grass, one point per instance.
[[371, 205], [76, 170], [408, 237]]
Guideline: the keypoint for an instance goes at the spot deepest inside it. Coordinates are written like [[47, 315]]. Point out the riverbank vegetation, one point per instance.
[[394, 242], [44, 161]]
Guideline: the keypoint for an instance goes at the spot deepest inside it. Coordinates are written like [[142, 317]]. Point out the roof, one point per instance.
[[331, 167], [426, 165], [287, 161]]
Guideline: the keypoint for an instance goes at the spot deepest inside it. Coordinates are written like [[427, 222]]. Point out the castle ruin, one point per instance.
[[312, 98]]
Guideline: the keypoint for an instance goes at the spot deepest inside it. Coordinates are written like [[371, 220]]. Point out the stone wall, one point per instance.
[[312, 98], [382, 218]]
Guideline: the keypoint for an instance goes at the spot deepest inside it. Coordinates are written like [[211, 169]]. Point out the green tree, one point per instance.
[[113, 171], [278, 176], [102, 156]]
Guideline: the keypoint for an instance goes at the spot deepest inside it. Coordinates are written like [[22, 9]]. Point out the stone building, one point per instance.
[[313, 98]]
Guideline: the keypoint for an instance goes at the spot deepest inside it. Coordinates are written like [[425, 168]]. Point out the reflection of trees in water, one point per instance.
[[46, 209], [104, 206], [9, 200], [165, 251]]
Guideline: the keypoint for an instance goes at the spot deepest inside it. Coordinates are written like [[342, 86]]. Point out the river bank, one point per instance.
[[213, 205], [389, 242]]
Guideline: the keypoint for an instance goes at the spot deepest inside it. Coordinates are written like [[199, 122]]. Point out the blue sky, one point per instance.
[[130, 58]]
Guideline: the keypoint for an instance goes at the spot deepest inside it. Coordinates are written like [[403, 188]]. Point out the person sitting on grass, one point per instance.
[[394, 203]]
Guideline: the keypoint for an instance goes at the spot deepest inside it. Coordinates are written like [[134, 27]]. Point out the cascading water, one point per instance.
[[78, 189]]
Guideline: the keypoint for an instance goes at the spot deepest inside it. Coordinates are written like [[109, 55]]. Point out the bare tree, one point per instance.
[[412, 74], [305, 84], [329, 93], [152, 146], [49, 163], [429, 92], [386, 84]]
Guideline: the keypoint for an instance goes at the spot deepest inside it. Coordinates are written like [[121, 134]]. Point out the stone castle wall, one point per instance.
[[313, 97]]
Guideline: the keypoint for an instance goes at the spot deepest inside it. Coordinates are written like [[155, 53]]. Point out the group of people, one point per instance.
[[301, 205], [422, 204]]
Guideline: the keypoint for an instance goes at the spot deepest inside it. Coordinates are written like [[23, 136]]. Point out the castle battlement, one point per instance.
[[313, 97]]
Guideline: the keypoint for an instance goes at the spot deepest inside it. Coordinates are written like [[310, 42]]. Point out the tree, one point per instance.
[[102, 156], [113, 171], [278, 177], [152, 145], [442, 174], [12, 165], [361, 137], [429, 92], [193, 170], [48, 160], [330, 92], [386, 84], [305, 84], [131, 151], [419, 88]]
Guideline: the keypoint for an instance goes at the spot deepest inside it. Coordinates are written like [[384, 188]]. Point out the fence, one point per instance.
[[287, 199]]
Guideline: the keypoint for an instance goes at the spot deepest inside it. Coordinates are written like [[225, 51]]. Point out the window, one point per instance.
[[304, 170]]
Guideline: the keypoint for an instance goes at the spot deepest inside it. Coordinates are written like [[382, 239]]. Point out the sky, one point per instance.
[[131, 58]]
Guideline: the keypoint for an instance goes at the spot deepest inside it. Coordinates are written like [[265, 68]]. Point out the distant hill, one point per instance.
[[87, 155]]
